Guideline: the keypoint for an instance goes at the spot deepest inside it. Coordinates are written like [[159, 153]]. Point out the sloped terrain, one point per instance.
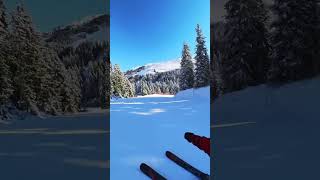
[[144, 128], [267, 132]]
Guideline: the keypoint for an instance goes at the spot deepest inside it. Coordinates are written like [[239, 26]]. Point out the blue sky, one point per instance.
[[47, 14], [146, 31]]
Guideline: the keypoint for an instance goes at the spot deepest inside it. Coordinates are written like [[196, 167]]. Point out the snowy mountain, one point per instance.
[[155, 78], [152, 68], [93, 28]]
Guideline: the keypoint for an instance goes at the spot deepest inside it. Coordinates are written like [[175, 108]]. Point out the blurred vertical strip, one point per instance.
[[108, 90], [211, 89]]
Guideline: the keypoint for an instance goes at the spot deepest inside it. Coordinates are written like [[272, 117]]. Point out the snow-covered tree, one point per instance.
[[186, 79], [202, 72], [247, 58], [145, 88], [121, 86], [295, 40], [40, 76], [160, 83], [71, 90], [117, 81], [128, 88], [30, 69], [5, 81]]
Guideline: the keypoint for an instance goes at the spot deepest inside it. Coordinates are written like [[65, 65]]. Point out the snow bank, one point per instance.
[[8, 113], [200, 93]]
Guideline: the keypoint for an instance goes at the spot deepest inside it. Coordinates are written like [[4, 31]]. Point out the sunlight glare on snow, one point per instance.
[[150, 112]]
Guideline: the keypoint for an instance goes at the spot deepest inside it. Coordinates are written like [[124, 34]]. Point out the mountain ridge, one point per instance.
[[152, 68], [90, 28]]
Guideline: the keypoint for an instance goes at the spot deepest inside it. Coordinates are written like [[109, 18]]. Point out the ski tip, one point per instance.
[[168, 153], [143, 165]]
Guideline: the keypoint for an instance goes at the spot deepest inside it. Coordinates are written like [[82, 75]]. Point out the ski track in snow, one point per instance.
[[143, 129]]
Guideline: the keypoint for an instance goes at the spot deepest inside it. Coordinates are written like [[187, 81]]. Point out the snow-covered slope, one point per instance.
[[268, 132], [93, 28], [267, 103], [152, 68], [143, 129]]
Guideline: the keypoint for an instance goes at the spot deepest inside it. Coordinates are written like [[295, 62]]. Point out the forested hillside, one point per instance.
[[38, 75], [158, 83]]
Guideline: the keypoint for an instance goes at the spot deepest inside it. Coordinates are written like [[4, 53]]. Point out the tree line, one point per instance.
[[254, 45], [158, 83]]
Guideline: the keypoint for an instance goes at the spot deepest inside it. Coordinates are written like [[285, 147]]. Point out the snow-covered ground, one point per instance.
[[155, 95], [267, 132], [143, 129], [69, 147]]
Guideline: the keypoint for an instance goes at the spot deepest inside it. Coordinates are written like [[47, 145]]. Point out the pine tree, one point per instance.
[[117, 80], [186, 70], [128, 90], [144, 88], [48, 97], [30, 69], [247, 60], [202, 73], [5, 80], [295, 40], [57, 79], [71, 90], [121, 86]]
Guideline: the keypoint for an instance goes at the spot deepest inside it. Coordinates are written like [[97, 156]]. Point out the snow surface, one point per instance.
[[143, 129], [268, 132], [155, 95]]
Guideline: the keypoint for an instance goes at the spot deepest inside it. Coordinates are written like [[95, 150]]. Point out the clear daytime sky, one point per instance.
[[146, 31], [48, 14]]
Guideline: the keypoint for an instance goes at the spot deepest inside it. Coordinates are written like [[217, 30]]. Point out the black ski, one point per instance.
[[147, 170], [187, 166]]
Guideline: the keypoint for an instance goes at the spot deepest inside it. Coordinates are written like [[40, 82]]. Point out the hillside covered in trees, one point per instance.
[[39, 74]]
